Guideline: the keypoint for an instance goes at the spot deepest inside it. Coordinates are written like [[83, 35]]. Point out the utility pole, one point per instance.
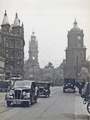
[[77, 69], [33, 58]]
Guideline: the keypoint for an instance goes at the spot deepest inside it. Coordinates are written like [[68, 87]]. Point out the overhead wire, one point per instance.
[[38, 46]]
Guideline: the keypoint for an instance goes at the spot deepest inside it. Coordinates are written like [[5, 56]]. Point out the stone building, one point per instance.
[[75, 52], [31, 66], [12, 37]]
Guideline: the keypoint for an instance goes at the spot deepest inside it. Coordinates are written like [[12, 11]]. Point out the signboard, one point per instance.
[[2, 64]]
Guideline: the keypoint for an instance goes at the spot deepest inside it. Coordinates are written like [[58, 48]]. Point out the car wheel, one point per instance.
[[64, 90], [46, 95], [8, 103], [88, 108], [32, 100], [74, 91], [36, 101], [28, 103]]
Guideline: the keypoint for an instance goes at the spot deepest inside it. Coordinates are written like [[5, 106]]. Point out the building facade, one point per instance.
[[75, 52], [12, 37], [31, 66], [2, 61]]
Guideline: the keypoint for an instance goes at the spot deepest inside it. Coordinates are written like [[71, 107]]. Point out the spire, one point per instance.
[[75, 23], [16, 21], [33, 33], [22, 24], [16, 15], [75, 27], [5, 19]]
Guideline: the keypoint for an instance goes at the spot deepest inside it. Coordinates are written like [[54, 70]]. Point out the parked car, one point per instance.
[[44, 88], [5, 85], [23, 92], [69, 85]]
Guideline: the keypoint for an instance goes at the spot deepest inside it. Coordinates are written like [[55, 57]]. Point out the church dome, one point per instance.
[[75, 27]]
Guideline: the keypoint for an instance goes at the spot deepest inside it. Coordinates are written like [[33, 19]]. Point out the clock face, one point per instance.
[[79, 37]]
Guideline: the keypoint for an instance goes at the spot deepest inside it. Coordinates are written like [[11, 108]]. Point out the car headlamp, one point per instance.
[[11, 93], [46, 90], [24, 93]]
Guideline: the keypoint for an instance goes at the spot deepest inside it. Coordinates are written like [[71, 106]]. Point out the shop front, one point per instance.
[[2, 68]]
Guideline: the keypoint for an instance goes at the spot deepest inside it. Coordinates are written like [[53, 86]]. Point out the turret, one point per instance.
[[16, 26], [5, 24]]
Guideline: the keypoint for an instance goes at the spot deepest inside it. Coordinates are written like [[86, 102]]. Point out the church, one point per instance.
[[75, 52], [31, 66]]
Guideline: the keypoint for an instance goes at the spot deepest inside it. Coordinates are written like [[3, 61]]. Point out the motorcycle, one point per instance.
[[86, 96]]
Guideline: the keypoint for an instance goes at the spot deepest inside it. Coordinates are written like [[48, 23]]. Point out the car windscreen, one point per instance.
[[72, 81], [23, 85], [42, 84]]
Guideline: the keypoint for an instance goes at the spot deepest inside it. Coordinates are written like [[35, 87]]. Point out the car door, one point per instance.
[[33, 89]]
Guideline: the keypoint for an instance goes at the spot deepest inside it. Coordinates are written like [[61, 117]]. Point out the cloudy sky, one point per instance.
[[51, 20]]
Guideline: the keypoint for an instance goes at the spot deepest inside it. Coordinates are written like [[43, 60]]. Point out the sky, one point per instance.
[[51, 21]]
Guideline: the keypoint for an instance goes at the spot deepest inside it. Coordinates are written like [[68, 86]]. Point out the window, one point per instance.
[[12, 43], [12, 64], [12, 54], [7, 43], [18, 44], [7, 53]]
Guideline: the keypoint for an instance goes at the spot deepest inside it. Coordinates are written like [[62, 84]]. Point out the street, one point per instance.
[[59, 106]]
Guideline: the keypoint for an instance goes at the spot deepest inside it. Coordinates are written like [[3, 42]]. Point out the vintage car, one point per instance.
[[23, 92], [5, 85], [44, 88], [69, 85]]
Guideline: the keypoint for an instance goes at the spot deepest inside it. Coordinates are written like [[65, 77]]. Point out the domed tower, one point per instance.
[[75, 52]]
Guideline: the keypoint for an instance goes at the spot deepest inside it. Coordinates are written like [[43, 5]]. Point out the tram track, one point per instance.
[[50, 104], [10, 108], [6, 110]]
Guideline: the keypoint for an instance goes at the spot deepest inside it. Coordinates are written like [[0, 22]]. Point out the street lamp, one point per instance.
[[33, 58]]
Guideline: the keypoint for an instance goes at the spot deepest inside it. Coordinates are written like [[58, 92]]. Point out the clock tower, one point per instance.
[[75, 52], [33, 49], [31, 66]]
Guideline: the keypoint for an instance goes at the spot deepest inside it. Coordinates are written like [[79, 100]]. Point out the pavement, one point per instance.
[[80, 108]]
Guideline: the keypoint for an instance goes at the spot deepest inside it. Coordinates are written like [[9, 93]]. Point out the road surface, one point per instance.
[[59, 106]]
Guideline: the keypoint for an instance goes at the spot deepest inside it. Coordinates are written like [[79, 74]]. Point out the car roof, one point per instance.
[[43, 82], [25, 81]]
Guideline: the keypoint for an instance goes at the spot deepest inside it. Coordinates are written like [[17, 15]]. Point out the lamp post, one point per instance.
[[33, 58], [77, 69]]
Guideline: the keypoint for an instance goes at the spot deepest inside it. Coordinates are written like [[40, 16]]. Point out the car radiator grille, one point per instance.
[[17, 94], [41, 89]]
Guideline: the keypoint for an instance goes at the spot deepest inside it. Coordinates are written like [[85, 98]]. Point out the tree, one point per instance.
[[48, 77], [50, 65], [84, 74]]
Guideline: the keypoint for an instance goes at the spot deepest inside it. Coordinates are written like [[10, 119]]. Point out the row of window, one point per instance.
[[14, 54], [12, 43], [14, 65]]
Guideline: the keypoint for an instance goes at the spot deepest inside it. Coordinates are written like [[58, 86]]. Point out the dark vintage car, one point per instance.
[[44, 88], [69, 85], [23, 92], [5, 85]]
